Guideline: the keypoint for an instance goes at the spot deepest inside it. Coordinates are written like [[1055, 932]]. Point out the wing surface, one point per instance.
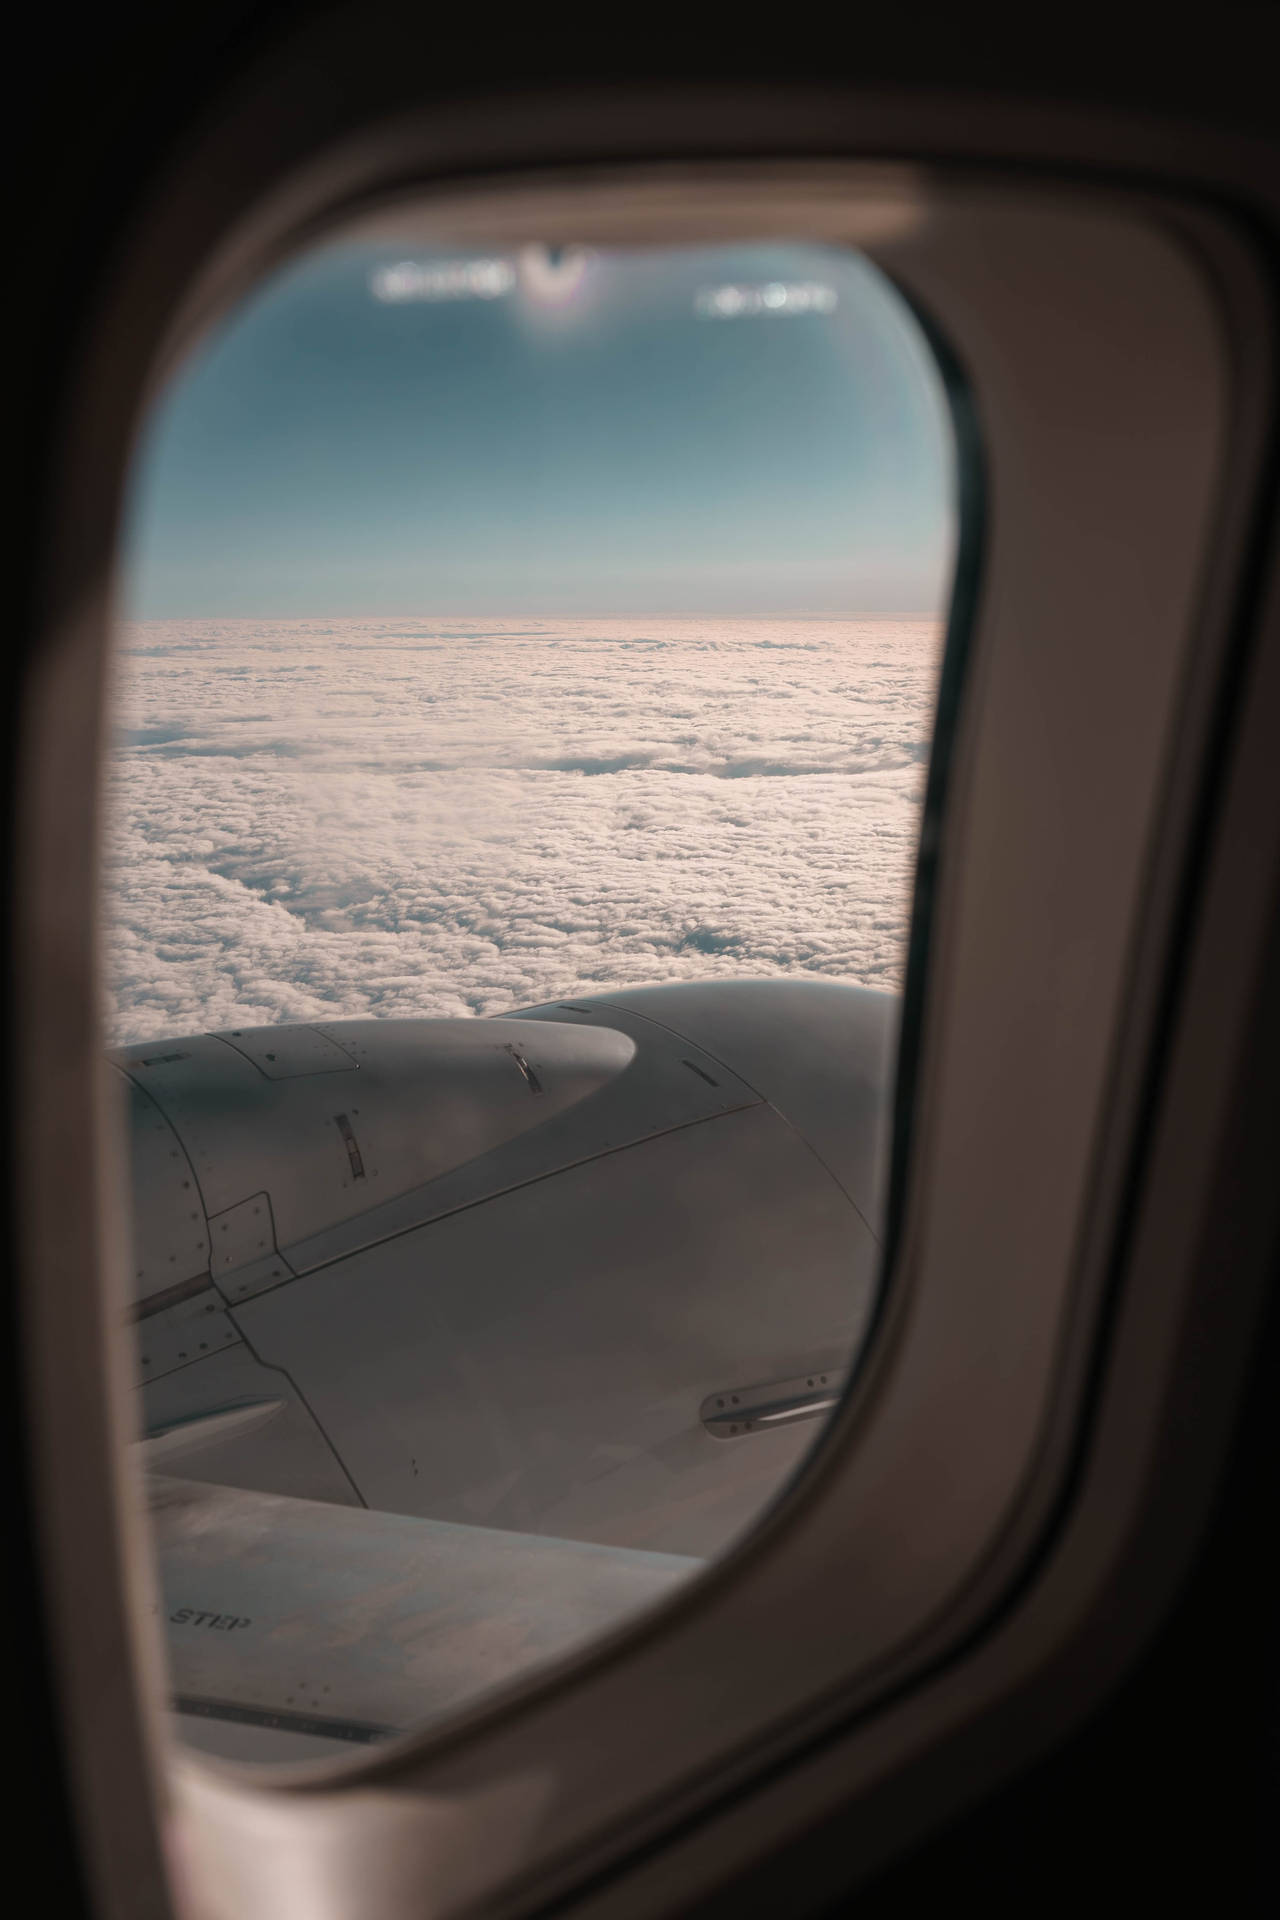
[[351, 1625]]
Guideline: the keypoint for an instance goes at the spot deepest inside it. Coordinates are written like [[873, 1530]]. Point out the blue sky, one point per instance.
[[597, 447]]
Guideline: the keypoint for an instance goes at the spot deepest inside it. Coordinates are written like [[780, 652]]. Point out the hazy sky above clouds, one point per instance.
[[653, 432]]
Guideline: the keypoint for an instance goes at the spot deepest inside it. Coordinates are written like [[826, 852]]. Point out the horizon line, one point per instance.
[[823, 613]]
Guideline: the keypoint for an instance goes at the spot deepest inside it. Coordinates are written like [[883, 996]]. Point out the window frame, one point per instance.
[[426, 1804]]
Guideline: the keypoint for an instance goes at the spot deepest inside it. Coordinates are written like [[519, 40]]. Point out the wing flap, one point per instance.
[[351, 1625]]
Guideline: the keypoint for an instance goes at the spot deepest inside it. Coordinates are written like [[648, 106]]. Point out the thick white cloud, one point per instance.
[[312, 819]]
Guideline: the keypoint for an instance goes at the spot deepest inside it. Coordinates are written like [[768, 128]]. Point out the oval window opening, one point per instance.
[[522, 701]]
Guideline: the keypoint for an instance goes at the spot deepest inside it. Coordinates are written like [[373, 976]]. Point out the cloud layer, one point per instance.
[[311, 819]]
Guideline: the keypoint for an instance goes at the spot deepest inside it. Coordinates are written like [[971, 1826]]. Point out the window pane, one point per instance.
[[522, 699]]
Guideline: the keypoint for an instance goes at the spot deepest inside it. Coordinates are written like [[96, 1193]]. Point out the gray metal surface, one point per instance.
[[323, 1623], [820, 1052], [244, 1258], [739, 1411], [289, 1053], [175, 1336], [287, 1454], [498, 1282], [668, 1083], [192, 1433], [539, 1363], [611, 1228], [418, 1098], [170, 1235]]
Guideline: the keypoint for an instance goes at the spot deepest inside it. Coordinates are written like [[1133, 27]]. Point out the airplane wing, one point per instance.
[[469, 1338], [348, 1625]]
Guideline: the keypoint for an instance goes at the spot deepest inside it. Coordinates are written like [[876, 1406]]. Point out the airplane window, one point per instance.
[[522, 701]]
